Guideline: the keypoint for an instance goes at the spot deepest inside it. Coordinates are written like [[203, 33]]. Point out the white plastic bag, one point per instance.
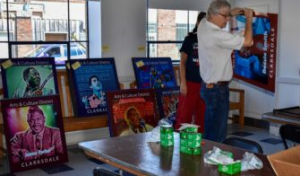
[[155, 133], [250, 162]]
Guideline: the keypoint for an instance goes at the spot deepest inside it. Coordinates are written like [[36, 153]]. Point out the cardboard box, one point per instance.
[[286, 162]]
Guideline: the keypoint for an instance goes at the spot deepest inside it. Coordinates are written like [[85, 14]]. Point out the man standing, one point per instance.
[[215, 46]]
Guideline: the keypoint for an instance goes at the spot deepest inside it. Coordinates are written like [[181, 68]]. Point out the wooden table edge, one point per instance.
[[107, 161]]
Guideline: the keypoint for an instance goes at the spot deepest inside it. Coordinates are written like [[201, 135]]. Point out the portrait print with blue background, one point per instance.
[[92, 78]]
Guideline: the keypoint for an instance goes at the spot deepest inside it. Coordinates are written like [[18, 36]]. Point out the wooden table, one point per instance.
[[133, 154], [284, 116]]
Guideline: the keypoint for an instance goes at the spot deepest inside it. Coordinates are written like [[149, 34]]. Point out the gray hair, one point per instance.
[[216, 5]]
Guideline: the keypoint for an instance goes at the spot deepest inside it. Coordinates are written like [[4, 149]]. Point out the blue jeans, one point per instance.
[[216, 112]]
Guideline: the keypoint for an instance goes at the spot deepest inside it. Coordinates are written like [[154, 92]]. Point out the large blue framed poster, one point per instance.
[[154, 72], [34, 132], [257, 64], [24, 78], [90, 80]]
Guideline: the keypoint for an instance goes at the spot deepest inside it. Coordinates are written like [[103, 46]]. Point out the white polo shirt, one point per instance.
[[215, 47]]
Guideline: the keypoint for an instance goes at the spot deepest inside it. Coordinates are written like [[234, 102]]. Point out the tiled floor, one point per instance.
[[80, 165]]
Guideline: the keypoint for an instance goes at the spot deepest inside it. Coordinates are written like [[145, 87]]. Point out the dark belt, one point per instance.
[[222, 83], [211, 85]]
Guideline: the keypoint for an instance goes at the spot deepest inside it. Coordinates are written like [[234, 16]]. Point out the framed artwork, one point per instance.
[[90, 79], [34, 132], [23, 78], [257, 64], [154, 72], [167, 102], [131, 111]]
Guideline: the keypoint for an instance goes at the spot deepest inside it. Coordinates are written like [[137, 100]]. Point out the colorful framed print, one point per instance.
[[154, 72], [24, 78], [131, 111], [34, 132], [90, 80], [257, 64], [167, 102]]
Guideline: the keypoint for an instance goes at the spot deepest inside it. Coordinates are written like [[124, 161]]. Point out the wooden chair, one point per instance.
[[239, 104], [289, 132], [246, 144]]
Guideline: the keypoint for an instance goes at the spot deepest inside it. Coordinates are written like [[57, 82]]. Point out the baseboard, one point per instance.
[[258, 123]]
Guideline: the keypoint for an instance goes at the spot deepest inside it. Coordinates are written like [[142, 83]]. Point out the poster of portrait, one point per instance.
[[23, 78], [34, 132], [90, 80], [257, 64], [154, 72], [167, 102], [131, 111]]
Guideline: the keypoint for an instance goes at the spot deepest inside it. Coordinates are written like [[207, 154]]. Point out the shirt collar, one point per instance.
[[210, 24]]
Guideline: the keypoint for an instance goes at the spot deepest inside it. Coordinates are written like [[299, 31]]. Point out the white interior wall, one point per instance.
[[288, 68], [124, 29], [94, 22], [124, 33]]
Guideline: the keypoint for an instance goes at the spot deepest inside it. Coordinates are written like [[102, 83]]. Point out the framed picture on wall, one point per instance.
[[90, 79], [257, 64], [154, 72], [23, 78], [34, 132], [131, 111], [167, 102]]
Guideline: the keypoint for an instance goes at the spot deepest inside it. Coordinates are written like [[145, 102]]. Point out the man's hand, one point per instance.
[[236, 11], [38, 92], [248, 12], [183, 89]]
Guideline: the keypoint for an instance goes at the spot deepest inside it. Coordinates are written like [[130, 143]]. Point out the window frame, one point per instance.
[[68, 42], [157, 42]]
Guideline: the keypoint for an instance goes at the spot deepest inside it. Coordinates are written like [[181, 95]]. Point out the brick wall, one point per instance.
[[166, 29], [24, 33]]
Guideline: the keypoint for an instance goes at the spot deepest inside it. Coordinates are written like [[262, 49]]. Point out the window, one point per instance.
[[39, 29], [166, 31]]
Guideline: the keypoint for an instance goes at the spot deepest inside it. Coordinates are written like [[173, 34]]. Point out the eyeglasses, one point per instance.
[[225, 16]]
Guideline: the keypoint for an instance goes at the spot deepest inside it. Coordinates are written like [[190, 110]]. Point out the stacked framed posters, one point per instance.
[[90, 79], [257, 64], [154, 72], [167, 102], [34, 132], [131, 111], [23, 78]]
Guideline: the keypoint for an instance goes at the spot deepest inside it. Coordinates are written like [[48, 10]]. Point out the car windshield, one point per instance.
[[36, 51]]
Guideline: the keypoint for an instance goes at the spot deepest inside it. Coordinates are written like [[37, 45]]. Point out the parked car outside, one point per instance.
[[58, 51]]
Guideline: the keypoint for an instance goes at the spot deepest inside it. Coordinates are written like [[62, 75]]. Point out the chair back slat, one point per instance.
[[244, 144], [289, 132]]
